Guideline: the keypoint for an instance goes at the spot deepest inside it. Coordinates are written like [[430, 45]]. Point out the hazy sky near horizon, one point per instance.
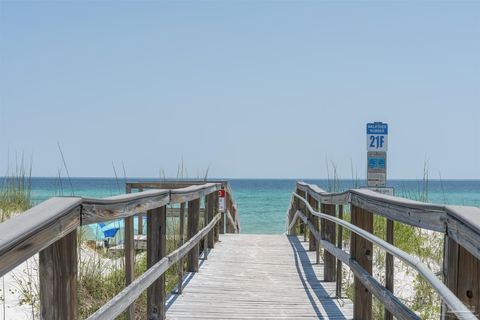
[[254, 90]]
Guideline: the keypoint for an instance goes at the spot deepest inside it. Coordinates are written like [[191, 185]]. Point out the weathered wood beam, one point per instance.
[[210, 215], [140, 216], [193, 192], [338, 285], [361, 250], [182, 241], [37, 228], [311, 238], [58, 279], [156, 249], [389, 266], [117, 207], [462, 276], [129, 256], [192, 228], [330, 262]]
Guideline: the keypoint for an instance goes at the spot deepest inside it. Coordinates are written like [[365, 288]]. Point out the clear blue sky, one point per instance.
[[251, 89]]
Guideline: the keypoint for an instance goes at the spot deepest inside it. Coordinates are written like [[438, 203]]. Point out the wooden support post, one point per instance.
[[210, 216], [230, 224], [361, 250], [215, 211], [232, 211], [303, 209], [322, 222], [156, 250], [329, 260], [450, 272], [193, 221], [340, 246], [316, 221], [298, 224], [389, 267], [129, 245], [205, 222], [462, 276], [58, 279], [227, 209], [140, 217], [182, 241], [291, 214], [222, 223], [311, 239]]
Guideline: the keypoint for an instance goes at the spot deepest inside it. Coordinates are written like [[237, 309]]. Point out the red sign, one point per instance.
[[221, 193]]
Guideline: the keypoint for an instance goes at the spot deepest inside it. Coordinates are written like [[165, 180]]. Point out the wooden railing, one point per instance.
[[321, 216], [50, 228]]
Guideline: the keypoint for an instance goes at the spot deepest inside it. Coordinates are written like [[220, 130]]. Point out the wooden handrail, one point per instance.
[[393, 304], [176, 187], [459, 224], [24, 235], [128, 295], [460, 310], [99, 210]]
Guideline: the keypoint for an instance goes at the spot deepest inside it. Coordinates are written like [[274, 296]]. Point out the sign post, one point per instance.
[[377, 146]]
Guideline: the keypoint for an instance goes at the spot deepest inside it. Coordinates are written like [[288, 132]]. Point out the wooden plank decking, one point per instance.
[[259, 277]]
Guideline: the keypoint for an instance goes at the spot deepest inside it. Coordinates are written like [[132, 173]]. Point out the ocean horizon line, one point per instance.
[[130, 179]]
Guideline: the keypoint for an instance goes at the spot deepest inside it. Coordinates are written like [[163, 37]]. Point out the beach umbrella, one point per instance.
[[110, 229]]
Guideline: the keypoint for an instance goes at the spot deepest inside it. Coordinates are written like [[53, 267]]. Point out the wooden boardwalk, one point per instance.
[[259, 277]]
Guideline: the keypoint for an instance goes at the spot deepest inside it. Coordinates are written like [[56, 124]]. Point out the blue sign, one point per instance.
[[377, 128], [376, 163], [377, 136]]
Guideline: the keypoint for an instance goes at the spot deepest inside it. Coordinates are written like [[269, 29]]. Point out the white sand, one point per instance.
[[10, 308]]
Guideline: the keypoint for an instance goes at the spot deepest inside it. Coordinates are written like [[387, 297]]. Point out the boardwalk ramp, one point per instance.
[[259, 277]]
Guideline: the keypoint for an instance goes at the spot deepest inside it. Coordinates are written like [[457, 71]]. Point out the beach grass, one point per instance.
[[15, 191], [424, 244]]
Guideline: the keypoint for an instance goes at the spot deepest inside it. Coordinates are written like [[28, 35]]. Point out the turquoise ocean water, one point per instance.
[[262, 203]]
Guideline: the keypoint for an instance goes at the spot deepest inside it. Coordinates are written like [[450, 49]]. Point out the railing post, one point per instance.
[[311, 238], [230, 224], [222, 218], [129, 245], [316, 221], [389, 267], [330, 235], [140, 217], [58, 279], [361, 251], [232, 212], [193, 222], [215, 211], [156, 247], [291, 214], [210, 215], [303, 209], [340, 246], [182, 241], [295, 206], [227, 210], [205, 222], [461, 276]]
